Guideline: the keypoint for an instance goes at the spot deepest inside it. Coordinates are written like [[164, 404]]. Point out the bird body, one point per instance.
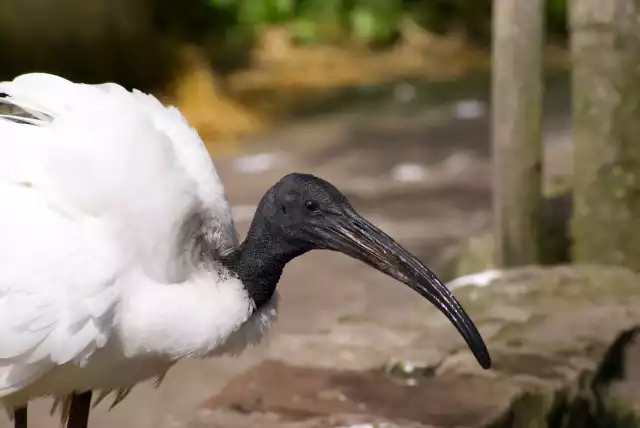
[[118, 252], [104, 198]]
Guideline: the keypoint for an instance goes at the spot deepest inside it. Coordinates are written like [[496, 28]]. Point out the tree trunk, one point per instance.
[[605, 48], [516, 122]]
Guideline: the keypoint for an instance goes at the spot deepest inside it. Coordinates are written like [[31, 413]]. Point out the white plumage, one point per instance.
[[101, 189]]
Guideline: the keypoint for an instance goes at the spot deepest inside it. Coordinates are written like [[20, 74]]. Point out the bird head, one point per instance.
[[305, 213]]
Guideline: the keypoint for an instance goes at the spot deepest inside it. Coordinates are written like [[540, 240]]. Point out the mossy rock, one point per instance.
[[561, 339]]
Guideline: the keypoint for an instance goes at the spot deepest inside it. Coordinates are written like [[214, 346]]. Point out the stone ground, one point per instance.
[[425, 179]]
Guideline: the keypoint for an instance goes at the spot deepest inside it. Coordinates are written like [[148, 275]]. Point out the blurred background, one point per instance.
[[236, 66], [448, 123]]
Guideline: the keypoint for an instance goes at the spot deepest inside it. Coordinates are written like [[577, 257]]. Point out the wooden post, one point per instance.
[[605, 49], [517, 85]]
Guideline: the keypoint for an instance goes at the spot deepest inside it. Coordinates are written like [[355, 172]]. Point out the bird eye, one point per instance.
[[312, 206]]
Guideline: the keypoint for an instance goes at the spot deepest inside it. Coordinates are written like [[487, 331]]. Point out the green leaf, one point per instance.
[[375, 21], [305, 30], [285, 8], [364, 23]]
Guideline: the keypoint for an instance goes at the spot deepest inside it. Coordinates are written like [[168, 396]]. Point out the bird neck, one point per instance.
[[260, 260]]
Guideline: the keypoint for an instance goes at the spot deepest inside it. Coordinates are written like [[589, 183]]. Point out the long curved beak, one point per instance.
[[356, 237]]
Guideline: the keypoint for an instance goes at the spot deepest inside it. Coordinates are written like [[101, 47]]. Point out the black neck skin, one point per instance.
[[260, 260]]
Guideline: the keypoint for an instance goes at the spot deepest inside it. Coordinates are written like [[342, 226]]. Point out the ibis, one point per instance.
[[118, 251]]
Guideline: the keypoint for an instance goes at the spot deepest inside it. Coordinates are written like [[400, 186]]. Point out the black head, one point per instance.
[[300, 207], [302, 212]]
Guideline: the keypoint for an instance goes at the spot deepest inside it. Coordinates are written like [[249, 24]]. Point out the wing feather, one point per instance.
[[58, 286], [98, 182]]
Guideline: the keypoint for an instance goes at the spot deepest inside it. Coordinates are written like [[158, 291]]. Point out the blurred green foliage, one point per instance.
[[136, 42], [318, 21], [375, 22]]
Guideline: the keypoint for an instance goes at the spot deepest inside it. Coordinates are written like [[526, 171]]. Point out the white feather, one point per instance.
[[97, 290]]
